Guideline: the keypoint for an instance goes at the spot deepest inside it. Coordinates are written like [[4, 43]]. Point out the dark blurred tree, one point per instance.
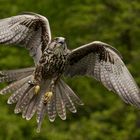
[[104, 116]]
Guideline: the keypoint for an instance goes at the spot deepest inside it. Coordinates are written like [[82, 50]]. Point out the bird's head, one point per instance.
[[58, 45]]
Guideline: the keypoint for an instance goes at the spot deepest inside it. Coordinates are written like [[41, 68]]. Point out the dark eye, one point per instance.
[[61, 42]]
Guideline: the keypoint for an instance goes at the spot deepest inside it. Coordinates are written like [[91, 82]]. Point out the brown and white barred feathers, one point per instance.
[[32, 99], [40, 90], [28, 102]]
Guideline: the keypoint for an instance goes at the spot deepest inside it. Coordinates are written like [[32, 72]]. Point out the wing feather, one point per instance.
[[29, 30], [104, 63]]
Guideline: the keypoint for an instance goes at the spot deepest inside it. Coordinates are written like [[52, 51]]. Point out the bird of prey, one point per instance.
[[40, 89]]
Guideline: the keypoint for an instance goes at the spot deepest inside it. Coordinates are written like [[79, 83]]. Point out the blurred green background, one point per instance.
[[104, 116]]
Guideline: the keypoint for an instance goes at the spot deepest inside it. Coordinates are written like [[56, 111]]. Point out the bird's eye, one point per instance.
[[61, 42]]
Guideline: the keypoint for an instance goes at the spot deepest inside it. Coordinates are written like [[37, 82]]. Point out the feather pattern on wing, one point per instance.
[[12, 75], [104, 63], [14, 86], [29, 29]]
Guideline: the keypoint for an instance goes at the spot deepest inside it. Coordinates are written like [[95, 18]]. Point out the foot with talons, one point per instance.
[[35, 84], [47, 96], [36, 89]]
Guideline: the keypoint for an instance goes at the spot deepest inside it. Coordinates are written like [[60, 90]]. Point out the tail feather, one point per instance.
[[62, 97], [51, 109], [41, 108], [24, 100], [24, 112], [30, 109], [12, 75], [70, 93], [29, 103], [17, 94], [60, 106], [67, 100], [40, 119], [40, 113]]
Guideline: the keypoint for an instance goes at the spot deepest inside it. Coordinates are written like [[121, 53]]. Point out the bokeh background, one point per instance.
[[104, 116]]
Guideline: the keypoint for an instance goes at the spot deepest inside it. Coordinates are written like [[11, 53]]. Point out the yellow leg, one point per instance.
[[48, 95], [37, 89]]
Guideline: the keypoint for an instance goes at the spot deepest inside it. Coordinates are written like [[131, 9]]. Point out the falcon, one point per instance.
[[40, 89]]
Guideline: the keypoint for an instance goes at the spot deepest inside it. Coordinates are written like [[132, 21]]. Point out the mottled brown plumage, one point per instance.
[[40, 89]]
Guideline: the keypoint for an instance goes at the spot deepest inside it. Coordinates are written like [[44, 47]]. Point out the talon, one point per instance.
[[47, 96], [37, 89]]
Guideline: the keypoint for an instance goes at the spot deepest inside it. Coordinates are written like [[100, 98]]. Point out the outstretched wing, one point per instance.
[[29, 29], [104, 63]]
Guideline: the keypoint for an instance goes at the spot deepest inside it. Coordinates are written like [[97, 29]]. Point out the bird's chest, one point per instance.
[[53, 65]]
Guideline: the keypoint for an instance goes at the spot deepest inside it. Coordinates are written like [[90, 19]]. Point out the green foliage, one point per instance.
[[104, 116]]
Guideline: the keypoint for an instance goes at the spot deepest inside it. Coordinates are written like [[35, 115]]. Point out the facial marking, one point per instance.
[[58, 43]]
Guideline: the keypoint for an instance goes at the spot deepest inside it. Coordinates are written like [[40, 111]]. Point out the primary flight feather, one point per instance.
[[40, 89]]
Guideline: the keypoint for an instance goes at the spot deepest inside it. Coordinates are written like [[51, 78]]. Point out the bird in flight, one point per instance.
[[40, 89]]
